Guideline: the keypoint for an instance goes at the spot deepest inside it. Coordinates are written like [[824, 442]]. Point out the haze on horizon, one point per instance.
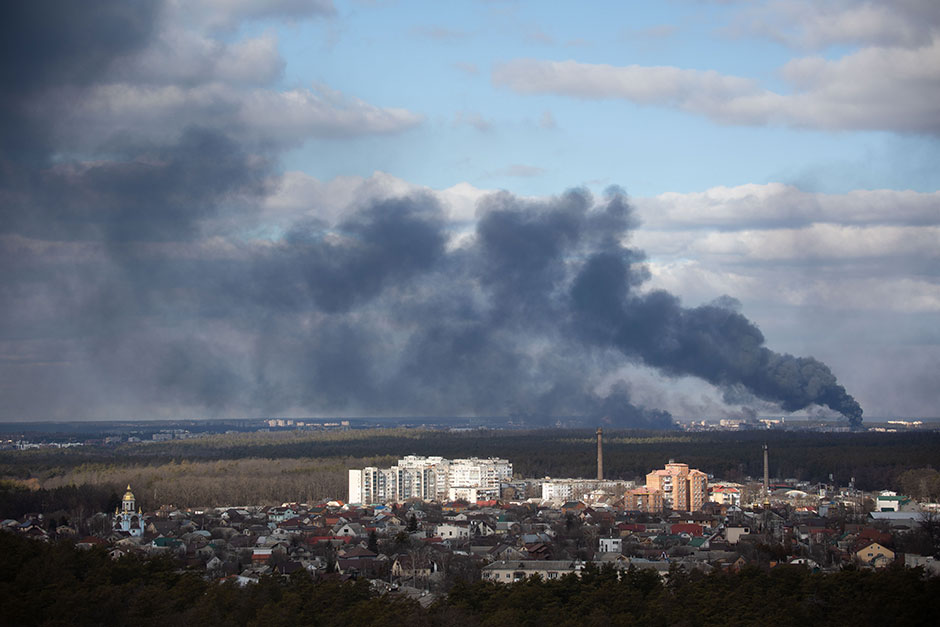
[[480, 208]]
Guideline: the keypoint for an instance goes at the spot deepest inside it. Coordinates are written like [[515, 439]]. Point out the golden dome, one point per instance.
[[129, 496]]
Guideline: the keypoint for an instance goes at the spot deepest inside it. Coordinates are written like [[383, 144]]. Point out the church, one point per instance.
[[129, 518]]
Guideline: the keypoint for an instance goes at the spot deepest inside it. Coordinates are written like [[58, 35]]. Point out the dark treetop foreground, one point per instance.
[[57, 584]]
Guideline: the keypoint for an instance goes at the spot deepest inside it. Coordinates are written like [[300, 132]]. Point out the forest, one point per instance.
[[57, 584], [273, 467]]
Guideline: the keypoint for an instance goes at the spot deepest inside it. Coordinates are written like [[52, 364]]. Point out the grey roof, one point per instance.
[[916, 516]]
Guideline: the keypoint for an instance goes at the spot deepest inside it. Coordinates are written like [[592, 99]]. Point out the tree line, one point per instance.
[[55, 584]]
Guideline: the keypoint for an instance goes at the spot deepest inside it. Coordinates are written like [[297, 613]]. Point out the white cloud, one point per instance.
[[227, 14], [644, 85], [283, 118], [697, 282], [762, 287], [188, 76], [774, 245], [252, 61], [821, 242], [321, 112], [460, 201], [776, 205], [302, 195], [815, 25], [876, 88], [187, 57]]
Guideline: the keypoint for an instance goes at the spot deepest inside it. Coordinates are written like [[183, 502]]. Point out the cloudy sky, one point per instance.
[[623, 210]]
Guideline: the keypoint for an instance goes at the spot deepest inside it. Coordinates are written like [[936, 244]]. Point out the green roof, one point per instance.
[[167, 542]]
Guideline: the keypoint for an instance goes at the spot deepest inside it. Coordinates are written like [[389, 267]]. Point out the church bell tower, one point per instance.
[[129, 518]]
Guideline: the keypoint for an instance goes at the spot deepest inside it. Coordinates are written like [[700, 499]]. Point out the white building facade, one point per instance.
[[429, 479], [588, 490]]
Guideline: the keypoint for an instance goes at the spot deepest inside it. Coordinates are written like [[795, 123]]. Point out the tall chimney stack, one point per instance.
[[766, 476], [600, 455]]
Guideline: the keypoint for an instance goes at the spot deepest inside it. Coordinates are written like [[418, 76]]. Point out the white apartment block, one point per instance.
[[429, 479], [472, 495], [559, 491], [562, 490]]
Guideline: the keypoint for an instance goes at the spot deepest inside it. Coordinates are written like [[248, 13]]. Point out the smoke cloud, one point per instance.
[[141, 280]]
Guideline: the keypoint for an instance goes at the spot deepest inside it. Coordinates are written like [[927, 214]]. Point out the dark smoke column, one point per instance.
[[712, 342]]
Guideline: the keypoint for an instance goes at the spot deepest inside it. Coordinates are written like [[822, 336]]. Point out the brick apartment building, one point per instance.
[[675, 487]]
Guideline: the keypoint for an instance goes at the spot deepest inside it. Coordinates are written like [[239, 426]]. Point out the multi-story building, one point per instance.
[[697, 490], [428, 479], [472, 494], [475, 472], [557, 491], [372, 485], [680, 487], [588, 490], [725, 494], [643, 500]]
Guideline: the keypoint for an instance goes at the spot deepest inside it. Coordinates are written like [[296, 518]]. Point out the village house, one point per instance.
[[873, 554], [504, 571], [452, 532]]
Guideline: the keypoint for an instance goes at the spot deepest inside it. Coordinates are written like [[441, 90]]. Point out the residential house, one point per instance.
[[453, 532], [610, 545], [510, 571], [871, 553], [354, 530]]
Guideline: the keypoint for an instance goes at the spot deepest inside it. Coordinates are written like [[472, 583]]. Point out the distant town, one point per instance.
[[111, 433], [416, 526]]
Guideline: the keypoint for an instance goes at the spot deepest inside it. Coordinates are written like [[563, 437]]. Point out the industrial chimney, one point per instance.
[[600, 455], [766, 476]]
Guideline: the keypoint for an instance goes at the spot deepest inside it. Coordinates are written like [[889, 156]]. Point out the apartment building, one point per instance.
[[680, 487], [589, 490], [643, 500], [429, 479]]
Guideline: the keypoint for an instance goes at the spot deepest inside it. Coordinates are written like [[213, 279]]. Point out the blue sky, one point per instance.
[[212, 207], [436, 59]]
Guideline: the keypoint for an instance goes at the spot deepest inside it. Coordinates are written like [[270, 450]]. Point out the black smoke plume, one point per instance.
[[139, 279], [710, 342]]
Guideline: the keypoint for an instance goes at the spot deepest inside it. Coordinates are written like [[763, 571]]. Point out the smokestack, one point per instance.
[[766, 476], [600, 455]]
